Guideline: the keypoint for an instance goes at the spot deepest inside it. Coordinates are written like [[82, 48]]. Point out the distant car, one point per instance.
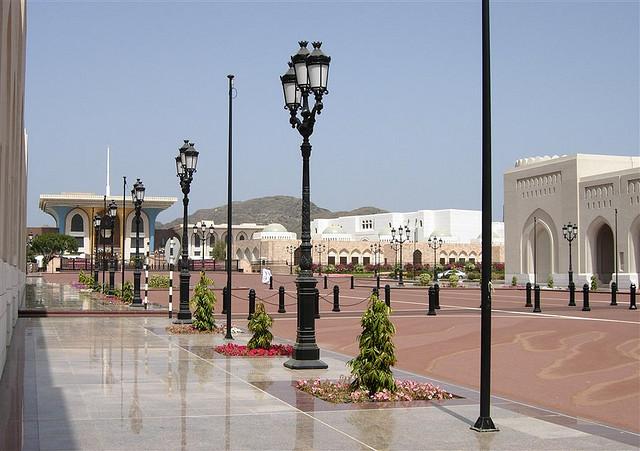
[[448, 272]]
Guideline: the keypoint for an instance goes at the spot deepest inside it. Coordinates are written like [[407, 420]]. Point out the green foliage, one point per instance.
[[514, 281], [85, 279], [473, 275], [594, 283], [371, 369], [424, 279], [358, 268], [550, 281], [203, 302], [219, 251], [126, 294], [51, 245], [157, 281], [470, 267], [329, 269], [453, 280], [259, 324]]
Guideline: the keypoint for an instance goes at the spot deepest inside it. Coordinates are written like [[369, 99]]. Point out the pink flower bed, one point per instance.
[[234, 350]]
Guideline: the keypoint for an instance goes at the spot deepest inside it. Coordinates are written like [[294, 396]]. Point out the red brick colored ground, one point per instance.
[[585, 364]]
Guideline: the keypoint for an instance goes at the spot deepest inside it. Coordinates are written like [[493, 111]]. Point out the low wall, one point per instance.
[[12, 290]]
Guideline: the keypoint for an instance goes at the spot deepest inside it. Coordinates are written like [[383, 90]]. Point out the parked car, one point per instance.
[[448, 272]]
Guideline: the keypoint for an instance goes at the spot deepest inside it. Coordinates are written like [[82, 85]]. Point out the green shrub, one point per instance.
[[159, 281], [126, 294], [358, 268], [453, 280], [473, 275], [594, 283], [371, 369], [329, 269], [85, 279], [424, 279], [259, 324], [203, 302], [550, 281], [514, 281]]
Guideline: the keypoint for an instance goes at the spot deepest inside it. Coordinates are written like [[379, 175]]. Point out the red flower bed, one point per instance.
[[234, 350]]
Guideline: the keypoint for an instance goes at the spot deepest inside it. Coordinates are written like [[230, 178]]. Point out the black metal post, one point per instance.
[[123, 222], [528, 294], [436, 289], [224, 300], [137, 300], [184, 314], [228, 336], [484, 423], [536, 299], [336, 298], [585, 298], [616, 250], [632, 297], [252, 303], [352, 282], [325, 281], [387, 295], [316, 301], [281, 308], [432, 303], [614, 291], [112, 269]]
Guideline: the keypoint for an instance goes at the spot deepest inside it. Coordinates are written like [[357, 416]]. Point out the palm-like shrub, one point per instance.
[[203, 302], [371, 369], [453, 280], [259, 324], [424, 279], [594, 283]]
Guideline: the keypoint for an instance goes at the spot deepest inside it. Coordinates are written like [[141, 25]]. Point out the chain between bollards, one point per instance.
[[585, 298], [528, 298], [281, 308], [432, 301], [252, 303], [536, 299], [336, 298]]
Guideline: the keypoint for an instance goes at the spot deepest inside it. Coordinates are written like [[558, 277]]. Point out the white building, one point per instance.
[[453, 226], [596, 192]]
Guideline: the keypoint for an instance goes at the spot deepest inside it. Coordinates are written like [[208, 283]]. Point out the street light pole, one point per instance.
[[203, 234], [484, 423], [137, 196], [307, 75], [535, 251], [435, 243], [228, 335], [112, 212], [320, 248], [570, 232], [96, 233], [290, 249], [400, 239], [186, 163], [375, 248]]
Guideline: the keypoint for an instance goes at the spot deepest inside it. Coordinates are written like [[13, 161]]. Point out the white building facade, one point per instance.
[[599, 193]]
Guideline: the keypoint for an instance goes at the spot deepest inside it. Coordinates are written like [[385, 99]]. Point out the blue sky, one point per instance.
[[401, 128]]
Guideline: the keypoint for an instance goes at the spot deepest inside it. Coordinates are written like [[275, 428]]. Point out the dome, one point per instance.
[[332, 229], [275, 227]]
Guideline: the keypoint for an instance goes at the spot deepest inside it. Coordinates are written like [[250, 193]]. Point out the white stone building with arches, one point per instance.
[[598, 193]]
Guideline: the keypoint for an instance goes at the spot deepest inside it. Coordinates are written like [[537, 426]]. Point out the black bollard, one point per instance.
[[317, 304], [632, 297], [387, 295], [252, 303], [432, 302], [281, 308], [528, 303], [536, 299], [614, 291], [572, 294], [224, 300], [585, 298], [352, 283], [378, 282], [271, 282], [336, 298], [325, 282], [436, 289]]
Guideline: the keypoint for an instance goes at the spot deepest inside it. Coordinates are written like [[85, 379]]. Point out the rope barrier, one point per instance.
[[356, 303]]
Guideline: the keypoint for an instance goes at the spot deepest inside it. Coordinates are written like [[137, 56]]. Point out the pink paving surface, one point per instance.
[[585, 364]]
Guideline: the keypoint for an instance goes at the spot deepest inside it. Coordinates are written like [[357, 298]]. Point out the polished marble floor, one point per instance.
[[120, 383]]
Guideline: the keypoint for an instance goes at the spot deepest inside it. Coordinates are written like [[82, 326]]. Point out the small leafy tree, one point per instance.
[[259, 324], [51, 245], [127, 293], [594, 283], [203, 302], [550, 281], [219, 251], [371, 369], [85, 279], [424, 279], [453, 280], [514, 281]]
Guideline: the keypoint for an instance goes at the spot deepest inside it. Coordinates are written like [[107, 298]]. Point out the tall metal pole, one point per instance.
[[93, 237], [103, 261], [484, 423], [184, 314], [616, 250], [123, 222], [228, 336], [137, 300], [535, 251]]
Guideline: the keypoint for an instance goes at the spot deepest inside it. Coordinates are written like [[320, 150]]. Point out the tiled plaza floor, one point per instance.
[[96, 383]]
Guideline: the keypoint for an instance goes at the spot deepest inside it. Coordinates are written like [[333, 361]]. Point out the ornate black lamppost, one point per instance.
[[186, 163], [435, 243], [376, 248], [570, 232], [291, 249], [137, 196], [203, 234], [399, 239], [96, 232], [307, 74], [320, 249], [111, 216]]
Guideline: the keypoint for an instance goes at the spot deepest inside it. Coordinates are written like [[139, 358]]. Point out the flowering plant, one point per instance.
[[234, 350]]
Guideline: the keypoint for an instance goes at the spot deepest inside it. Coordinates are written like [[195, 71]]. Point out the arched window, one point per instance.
[[77, 224], [133, 225]]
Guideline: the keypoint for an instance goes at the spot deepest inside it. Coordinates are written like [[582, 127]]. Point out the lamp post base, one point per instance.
[[183, 321], [484, 424], [295, 364], [138, 305]]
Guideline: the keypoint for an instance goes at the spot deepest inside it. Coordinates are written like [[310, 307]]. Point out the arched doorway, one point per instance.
[[417, 257], [634, 241], [539, 247], [604, 264]]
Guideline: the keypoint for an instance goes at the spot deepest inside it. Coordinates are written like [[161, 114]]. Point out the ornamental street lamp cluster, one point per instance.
[[137, 197], [307, 74], [97, 220], [112, 211], [186, 162], [376, 248], [570, 232], [291, 249], [320, 249], [202, 233], [399, 237], [435, 243]]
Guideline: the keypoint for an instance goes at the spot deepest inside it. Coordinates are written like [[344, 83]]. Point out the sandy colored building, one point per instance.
[[598, 193]]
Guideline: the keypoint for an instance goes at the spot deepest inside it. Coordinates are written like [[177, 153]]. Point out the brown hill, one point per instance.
[[285, 210]]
